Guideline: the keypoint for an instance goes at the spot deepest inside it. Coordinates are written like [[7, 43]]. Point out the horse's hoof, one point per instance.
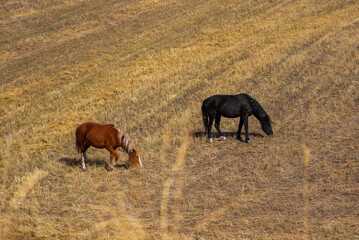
[[211, 140], [223, 138], [109, 168], [248, 141]]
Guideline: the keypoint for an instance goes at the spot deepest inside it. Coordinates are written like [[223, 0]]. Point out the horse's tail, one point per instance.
[[78, 147], [78, 137], [204, 117]]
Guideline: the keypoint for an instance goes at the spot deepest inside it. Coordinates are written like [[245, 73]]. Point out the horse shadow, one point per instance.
[[200, 135], [74, 162]]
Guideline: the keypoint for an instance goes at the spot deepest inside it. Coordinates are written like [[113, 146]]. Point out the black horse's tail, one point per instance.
[[204, 117]]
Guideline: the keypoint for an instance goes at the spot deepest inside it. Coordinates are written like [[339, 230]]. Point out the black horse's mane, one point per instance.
[[258, 111]]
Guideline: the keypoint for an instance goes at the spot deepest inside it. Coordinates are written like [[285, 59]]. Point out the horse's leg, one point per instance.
[[238, 135], [84, 158], [210, 123], [216, 124], [245, 121], [114, 153], [111, 162]]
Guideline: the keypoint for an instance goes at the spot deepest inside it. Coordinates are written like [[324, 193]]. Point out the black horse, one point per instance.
[[232, 106]]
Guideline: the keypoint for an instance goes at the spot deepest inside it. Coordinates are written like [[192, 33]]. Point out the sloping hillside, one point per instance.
[[147, 66]]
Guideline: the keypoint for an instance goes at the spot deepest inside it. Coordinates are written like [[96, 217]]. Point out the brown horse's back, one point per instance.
[[96, 135]]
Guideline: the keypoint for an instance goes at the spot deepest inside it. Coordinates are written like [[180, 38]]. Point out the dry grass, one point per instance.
[[146, 66]]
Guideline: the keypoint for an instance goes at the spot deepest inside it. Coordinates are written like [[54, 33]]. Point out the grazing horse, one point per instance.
[[232, 106], [105, 136]]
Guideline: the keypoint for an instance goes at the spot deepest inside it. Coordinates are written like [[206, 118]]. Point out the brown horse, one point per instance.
[[105, 136]]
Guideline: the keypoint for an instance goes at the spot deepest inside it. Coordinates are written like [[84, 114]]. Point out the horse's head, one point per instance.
[[135, 158], [267, 125]]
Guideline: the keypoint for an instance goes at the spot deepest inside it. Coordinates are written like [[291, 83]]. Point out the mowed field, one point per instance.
[[146, 66]]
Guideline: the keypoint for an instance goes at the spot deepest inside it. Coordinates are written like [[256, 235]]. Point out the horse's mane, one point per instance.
[[258, 111], [127, 143]]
